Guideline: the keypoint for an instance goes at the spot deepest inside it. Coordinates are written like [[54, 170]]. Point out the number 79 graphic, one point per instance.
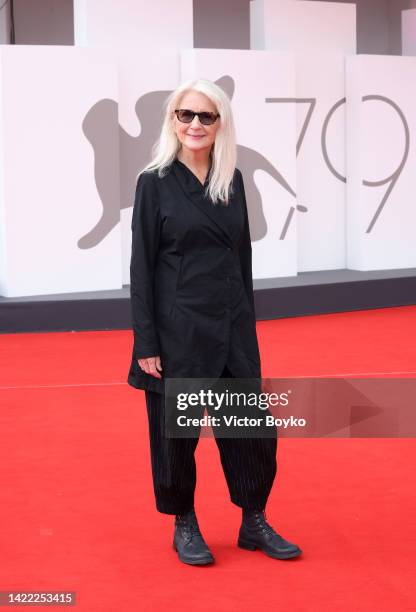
[[392, 179]]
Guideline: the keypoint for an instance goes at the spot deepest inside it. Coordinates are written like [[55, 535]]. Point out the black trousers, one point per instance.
[[249, 464]]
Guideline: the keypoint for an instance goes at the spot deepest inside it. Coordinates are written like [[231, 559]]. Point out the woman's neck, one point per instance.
[[198, 161]]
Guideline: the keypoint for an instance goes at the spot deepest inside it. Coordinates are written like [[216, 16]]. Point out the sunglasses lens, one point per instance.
[[185, 116], [207, 118]]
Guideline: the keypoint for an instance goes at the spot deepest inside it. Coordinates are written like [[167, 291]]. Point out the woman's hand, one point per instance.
[[151, 365]]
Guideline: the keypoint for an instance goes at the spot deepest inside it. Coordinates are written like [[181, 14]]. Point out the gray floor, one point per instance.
[[303, 279]]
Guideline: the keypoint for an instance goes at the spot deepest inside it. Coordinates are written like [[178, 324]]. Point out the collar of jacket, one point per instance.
[[194, 190]]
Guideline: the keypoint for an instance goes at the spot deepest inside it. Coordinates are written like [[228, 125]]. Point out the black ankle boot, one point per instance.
[[255, 532], [188, 540]]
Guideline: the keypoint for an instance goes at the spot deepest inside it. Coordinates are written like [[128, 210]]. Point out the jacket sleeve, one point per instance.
[[145, 226], [245, 251]]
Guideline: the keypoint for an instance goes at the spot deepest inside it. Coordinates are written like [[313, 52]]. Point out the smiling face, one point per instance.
[[195, 136]]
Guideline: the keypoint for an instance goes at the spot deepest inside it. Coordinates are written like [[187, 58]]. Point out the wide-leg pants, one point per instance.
[[249, 464]]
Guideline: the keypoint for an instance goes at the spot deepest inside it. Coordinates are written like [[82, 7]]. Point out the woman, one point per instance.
[[193, 309]]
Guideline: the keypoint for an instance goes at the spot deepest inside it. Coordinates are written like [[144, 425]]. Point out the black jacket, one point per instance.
[[191, 280]]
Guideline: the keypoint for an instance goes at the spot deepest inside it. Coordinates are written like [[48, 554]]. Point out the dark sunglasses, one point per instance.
[[187, 116]]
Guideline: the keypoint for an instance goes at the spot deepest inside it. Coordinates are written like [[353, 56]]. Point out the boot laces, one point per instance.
[[192, 530], [190, 527], [264, 525]]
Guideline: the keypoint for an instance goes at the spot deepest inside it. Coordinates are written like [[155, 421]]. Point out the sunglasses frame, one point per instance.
[[193, 113]]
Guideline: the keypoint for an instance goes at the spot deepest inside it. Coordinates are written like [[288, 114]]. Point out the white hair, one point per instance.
[[224, 150]]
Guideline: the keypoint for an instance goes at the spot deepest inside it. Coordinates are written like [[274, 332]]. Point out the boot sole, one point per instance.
[[203, 561], [244, 544]]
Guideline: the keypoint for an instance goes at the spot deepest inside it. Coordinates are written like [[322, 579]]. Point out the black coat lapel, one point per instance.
[[195, 192]]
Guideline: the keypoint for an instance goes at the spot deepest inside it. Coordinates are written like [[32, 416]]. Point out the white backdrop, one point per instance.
[[409, 32], [48, 193], [320, 34], [320, 90], [303, 25], [77, 124], [382, 214], [139, 23]]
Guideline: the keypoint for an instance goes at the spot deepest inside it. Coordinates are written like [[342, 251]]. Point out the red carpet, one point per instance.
[[77, 504]]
